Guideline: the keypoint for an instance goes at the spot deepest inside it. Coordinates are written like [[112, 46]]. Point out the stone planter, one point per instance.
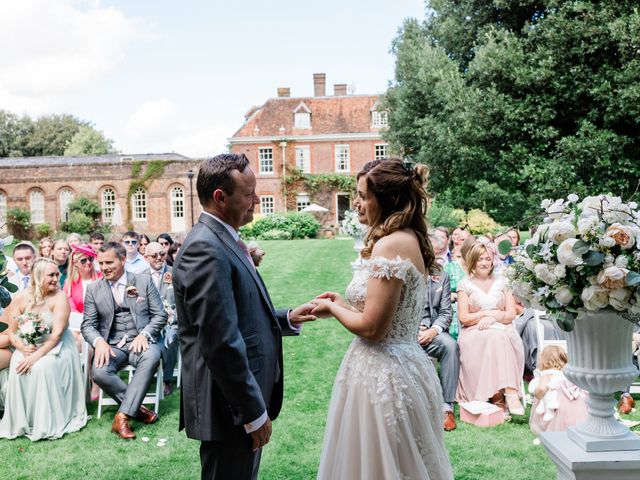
[[600, 362]]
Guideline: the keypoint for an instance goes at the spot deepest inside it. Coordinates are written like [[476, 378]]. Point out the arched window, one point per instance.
[[36, 205], [177, 202], [108, 204], [66, 197], [3, 208], [139, 204]]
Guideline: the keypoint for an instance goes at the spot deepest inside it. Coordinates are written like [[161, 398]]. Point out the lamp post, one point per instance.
[[190, 177]]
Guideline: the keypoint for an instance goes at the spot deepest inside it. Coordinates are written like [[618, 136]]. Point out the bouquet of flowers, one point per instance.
[[351, 226], [585, 256], [33, 328]]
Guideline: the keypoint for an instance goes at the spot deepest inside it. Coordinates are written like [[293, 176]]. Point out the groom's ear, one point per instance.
[[218, 196]]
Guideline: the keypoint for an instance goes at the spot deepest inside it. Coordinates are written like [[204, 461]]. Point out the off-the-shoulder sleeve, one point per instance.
[[381, 267]]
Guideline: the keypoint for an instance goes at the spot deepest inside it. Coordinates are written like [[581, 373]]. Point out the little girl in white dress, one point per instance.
[[558, 404]]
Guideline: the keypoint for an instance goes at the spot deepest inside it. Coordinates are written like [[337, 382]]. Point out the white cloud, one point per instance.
[[159, 126], [53, 47]]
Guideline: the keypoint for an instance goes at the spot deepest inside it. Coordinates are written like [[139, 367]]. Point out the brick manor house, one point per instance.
[[151, 192], [300, 147]]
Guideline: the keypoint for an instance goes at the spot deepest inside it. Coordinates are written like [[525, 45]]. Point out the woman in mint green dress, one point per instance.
[[456, 273], [45, 392]]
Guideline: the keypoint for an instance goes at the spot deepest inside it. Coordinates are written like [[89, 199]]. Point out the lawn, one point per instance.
[[294, 271]]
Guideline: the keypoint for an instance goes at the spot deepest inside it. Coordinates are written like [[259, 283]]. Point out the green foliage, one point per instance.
[[480, 222], [154, 169], [316, 182], [87, 207], [442, 215], [281, 226], [43, 230], [19, 223], [78, 223], [513, 102], [89, 141]]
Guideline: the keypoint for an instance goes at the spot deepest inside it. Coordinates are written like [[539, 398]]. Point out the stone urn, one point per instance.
[[600, 362]]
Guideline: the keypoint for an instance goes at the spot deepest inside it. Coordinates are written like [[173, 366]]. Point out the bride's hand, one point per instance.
[[322, 307], [334, 297]]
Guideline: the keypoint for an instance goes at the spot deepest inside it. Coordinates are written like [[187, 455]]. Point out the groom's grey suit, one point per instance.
[[103, 318], [231, 345], [437, 312]]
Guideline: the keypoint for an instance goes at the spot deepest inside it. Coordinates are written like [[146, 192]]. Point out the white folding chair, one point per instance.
[[177, 372], [150, 398], [540, 333], [84, 361]]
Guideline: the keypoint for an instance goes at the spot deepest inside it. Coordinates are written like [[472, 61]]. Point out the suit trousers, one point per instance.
[[169, 358], [446, 350], [129, 397], [231, 459]]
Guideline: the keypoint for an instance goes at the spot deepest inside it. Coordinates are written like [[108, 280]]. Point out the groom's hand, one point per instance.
[[103, 352], [302, 314], [261, 436]]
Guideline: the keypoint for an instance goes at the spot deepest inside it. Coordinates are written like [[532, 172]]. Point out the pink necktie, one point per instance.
[[245, 249]]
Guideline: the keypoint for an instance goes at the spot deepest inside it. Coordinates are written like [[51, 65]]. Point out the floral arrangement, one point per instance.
[[584, 257], [33, 328], [351, 226], [170, 308]]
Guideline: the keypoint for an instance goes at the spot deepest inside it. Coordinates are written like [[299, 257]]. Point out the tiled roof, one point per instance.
[[329, 115], [99, 159]]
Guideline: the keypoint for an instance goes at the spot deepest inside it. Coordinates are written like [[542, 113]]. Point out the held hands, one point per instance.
[[302, 314], [324, 302], [102, 354], [28, 349], [261, 436], [24, 365]]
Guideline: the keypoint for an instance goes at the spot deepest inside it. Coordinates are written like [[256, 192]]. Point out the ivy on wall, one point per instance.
[[316, 182], [143, 178]]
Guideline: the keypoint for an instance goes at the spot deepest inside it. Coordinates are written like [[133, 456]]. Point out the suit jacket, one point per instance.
[[146, 309], [165, 289], [230, 336], [437, 309]]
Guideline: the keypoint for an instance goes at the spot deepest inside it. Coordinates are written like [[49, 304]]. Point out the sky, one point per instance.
[[166, 76]]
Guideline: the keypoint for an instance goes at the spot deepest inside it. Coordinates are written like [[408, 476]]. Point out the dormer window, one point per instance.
[[379, 119], [302, 116]]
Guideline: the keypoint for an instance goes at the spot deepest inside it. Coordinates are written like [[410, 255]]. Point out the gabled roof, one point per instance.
[[6, 162], [302, 107], [331, 115]]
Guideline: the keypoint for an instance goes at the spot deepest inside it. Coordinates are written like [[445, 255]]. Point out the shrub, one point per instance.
[[19, 223], [275, 235], [78, 223], [294, 224], [43, 230], [442, 215], [480, 222], [84, 217]]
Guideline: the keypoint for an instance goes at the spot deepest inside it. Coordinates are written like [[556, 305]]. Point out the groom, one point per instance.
[[230, 334]]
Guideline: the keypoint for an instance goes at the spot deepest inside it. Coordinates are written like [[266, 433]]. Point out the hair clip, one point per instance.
[[408, 164]]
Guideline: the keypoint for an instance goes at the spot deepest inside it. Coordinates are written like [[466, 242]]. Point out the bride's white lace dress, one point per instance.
[[385, 416]]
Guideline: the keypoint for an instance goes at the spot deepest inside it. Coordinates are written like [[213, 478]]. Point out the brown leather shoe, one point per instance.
[[121, 427], [449, 421], [626, 404], [167, 389], [147, 416]]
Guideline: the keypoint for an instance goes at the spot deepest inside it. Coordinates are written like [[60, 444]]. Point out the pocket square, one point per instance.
[[140, 299], [438, 289]]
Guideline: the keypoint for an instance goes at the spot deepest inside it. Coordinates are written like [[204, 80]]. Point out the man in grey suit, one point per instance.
[[230, 334], [161, 276], [123, 317], [435, 340]]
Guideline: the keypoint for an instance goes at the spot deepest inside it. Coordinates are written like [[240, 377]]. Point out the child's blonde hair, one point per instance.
[[553, 357]]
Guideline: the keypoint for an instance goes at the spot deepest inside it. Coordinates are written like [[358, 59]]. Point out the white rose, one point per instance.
[[595, 297], [590, 206], [619, 298], [633, 205], [556, 209], [28, 328], [560, 271], [572, 198], [566, 255], [612, 277], [528, 264], [606, 242], [546, 203], [544, 273], [588, 226], [564, 296], [622, 235], [560, 231], [522, 290], [608, 258], [621, 261]]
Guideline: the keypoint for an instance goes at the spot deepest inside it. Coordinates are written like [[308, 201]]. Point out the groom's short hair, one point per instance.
[[216, 172]]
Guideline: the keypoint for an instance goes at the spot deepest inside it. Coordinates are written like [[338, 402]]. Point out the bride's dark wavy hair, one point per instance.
[[399, 190]]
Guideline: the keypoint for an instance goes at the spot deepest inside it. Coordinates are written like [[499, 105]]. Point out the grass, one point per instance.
[[294, 271]]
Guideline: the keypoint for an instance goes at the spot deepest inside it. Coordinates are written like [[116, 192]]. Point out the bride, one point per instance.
[[45, 392], [385, 416]]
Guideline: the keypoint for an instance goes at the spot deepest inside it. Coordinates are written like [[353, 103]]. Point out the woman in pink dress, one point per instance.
[[491, 351], [557, 403]]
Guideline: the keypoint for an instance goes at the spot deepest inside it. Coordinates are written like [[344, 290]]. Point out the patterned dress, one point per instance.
[[385, 415]]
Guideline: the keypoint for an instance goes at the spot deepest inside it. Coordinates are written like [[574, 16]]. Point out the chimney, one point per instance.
[[284, 92], [339, 89], [319, 82]]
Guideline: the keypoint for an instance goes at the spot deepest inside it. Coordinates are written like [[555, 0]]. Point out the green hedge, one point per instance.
[[282, 226]]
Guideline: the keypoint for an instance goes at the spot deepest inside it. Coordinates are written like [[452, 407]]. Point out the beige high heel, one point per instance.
[[513, 404]]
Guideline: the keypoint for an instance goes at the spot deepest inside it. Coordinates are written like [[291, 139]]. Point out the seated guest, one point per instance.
[[135, 262], [143, 242], [24, 254], [491, 351], [45, 391], [60, 255], [123, 318], [456, 271], [527, 329], [442, 234], [435, 340], [458, 236], [96, 240], [627, 403], [5, 360], [45, 246], [557, 403], [161, 276], [165, 240], [74, 239]]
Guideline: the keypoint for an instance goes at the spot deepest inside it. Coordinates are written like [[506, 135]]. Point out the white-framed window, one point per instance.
[[177, 202], [302, 120], [3, 208], [265, 159], [267, 203], [303, 159], [343, 158], [66, 197], [380, 151], [379, 118], [302, 201], [36, 205], [139, 204], [108, 204]]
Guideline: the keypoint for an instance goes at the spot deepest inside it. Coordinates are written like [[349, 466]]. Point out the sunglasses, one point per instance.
[[156, 255], [164, 244], [130, 242], [84, 260]]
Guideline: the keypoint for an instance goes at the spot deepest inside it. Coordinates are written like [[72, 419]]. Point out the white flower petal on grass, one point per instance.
[[145, 439]]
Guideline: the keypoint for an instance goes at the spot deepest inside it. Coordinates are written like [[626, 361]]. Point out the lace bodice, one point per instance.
[[407, 317], [478, 298]]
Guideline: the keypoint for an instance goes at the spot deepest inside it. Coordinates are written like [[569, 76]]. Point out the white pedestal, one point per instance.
[[573, 463]]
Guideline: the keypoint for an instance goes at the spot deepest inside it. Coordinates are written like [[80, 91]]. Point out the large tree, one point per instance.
[[512, 101]]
